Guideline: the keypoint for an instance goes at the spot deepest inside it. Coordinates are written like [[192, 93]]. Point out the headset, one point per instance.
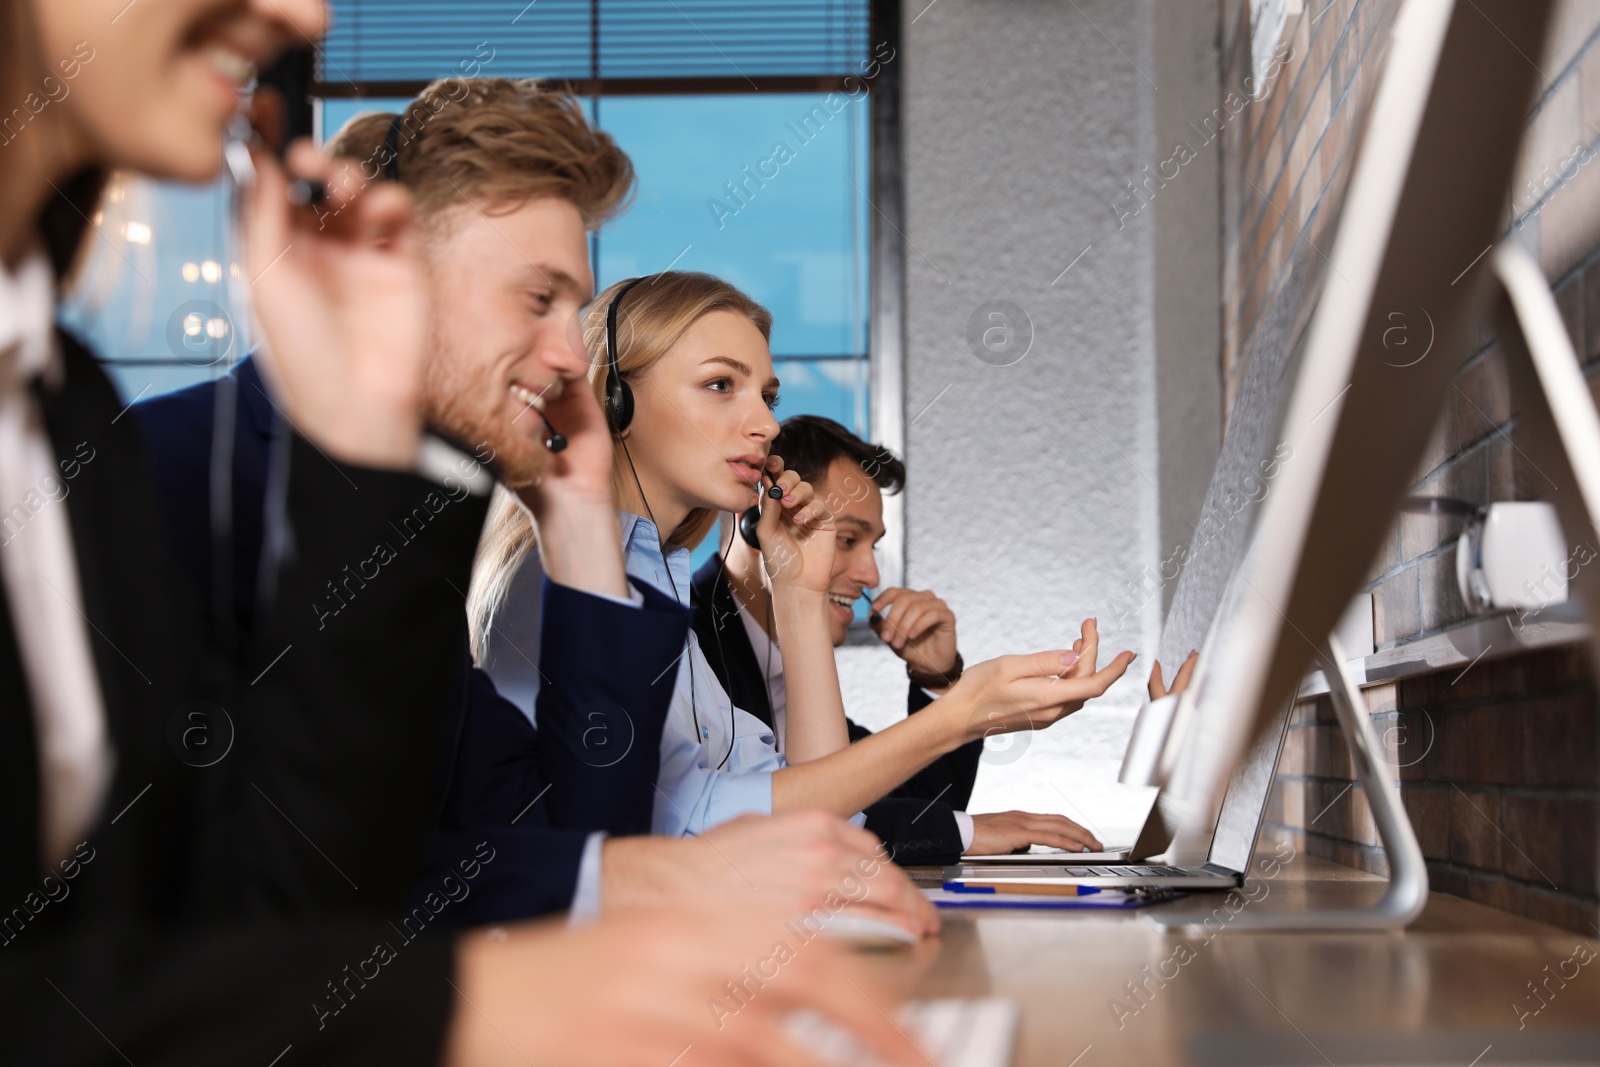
[[619, 416], [619, 394], [555, 443], [749, 523], [391, 148]]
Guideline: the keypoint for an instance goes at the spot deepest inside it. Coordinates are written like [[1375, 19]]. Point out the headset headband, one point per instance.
[[611, 326], [391, 144]]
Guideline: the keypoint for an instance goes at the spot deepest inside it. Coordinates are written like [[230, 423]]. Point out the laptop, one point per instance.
[[1155, 837], [1232, 843]]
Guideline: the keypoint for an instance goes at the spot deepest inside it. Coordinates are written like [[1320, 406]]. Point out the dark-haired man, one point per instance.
[[922, 821]]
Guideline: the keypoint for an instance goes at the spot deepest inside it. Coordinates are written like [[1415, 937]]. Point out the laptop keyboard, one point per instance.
[[1133, 872]]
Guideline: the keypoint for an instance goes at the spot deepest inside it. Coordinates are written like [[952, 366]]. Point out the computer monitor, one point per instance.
[[1425, 200]]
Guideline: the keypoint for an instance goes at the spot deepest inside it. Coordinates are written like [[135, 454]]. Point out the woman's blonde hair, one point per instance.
[[651, 318]]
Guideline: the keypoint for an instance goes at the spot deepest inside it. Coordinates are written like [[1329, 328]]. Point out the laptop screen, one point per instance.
[[1245, 804]]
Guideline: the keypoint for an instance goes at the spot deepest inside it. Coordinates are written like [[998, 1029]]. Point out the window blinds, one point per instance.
[[721, 45]]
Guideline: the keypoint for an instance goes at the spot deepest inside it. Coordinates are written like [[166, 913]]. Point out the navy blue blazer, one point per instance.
[[915, 821], [526, 799]]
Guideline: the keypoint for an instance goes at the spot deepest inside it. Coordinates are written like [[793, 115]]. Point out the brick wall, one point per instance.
[[1497, 770], [1497, 764]]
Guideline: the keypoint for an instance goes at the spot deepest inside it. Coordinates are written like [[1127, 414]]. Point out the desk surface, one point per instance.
[[1441, 992]]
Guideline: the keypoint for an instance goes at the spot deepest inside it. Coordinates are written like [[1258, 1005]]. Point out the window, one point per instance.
[[762, 157], [796, 241], [159, 294], [758, 133]]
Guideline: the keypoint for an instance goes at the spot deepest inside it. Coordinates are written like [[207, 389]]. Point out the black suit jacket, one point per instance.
[[528, 797], [210, 908], [915, 821]]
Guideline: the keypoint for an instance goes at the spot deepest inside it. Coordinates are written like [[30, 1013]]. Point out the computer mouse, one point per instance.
[[866, 932]]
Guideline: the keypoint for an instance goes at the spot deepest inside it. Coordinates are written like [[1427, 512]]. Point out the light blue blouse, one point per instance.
[[693, 793]]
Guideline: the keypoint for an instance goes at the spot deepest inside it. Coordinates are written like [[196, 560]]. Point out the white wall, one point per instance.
[[1033, 493]]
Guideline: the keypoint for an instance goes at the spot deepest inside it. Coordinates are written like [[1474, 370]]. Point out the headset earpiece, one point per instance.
[[619, 394], [747, 527], [619, 403]]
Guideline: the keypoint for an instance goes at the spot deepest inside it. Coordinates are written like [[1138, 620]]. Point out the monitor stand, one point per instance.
[[1407, 891]]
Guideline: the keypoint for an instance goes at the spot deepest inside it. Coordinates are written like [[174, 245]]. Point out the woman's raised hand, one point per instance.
[[1031, 692], [796, 532]]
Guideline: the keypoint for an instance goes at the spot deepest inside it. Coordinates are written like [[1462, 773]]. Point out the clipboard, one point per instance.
[[955, 895]]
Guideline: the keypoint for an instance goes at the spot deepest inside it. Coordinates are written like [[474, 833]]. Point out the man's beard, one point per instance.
[[467, 402]]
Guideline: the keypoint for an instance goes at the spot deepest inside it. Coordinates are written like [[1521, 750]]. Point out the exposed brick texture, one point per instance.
[[1497, 766]]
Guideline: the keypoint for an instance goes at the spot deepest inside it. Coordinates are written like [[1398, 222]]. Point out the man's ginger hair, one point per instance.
[[491, 144]]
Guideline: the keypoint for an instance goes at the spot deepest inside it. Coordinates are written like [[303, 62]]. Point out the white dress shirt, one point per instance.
[[40, 572]]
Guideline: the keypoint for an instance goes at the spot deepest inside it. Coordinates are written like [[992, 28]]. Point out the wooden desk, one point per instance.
[[1441, 992]]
